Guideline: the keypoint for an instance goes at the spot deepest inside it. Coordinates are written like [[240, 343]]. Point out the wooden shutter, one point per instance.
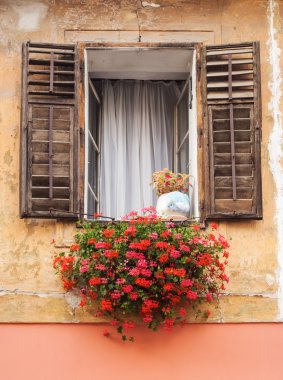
[[232, 131], [49, 131]]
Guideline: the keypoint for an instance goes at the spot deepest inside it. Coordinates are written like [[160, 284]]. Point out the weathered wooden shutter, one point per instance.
[[49, 132], [232, 131]]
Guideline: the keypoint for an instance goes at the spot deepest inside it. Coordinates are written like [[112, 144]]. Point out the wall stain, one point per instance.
[[8, 158]]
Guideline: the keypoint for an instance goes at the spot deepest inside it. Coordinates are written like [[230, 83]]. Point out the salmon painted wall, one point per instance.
[[196, 352]]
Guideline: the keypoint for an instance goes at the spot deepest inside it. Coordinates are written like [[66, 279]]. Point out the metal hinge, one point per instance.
[[82, 71], [198, 71]]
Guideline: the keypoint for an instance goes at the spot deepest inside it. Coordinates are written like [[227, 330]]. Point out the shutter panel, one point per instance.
[[232, 131], [49, 132]]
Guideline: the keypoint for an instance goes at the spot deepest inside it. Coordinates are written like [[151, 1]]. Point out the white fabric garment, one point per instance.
[[137, 138]]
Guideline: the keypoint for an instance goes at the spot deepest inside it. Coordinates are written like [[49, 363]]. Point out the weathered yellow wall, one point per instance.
[[29, 289]]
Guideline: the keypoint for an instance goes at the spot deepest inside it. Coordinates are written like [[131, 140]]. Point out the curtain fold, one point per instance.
[[137, 139]]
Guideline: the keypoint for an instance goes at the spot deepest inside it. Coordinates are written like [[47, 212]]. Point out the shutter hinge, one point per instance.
[[259, 130], [198, 71], [82, 71]]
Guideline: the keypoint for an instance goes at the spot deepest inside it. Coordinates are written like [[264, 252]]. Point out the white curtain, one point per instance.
[[137, 138]]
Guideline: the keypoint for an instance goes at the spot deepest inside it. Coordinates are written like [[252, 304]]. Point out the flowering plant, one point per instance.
[[165, 181], [144, 269]]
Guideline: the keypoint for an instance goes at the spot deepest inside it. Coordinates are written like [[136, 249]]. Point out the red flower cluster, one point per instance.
[[146, 268]]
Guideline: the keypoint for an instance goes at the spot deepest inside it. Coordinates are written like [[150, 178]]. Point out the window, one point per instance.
[[215, 134], [146, 102]]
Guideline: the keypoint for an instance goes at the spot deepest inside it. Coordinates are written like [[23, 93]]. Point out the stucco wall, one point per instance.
[[29, 289]]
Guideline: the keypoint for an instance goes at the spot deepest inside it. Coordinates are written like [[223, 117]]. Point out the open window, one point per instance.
[[142, 107], [147, 102]]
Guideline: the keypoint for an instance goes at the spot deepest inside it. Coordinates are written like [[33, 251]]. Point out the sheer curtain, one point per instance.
[[137, 139]]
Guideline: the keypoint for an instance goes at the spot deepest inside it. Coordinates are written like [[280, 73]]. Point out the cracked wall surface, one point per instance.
[[29, 288]]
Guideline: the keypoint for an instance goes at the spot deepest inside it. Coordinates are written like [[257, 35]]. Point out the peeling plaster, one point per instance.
[[146, 4], [30, 16], [276, 140], [6, 292], [73, 299]]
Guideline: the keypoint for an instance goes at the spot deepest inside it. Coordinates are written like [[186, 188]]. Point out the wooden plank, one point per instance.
[[228, 51], [50, 152], [54, 93], [225, 73], [44, 204], [48, 51], [58, 170], [42, 147], [43, 180], [237, 83], [240, 181], [225, 62], [227, 193], [225, 95], [226, 158], [223, 125], [42, 158], [47, 72], [240, 170], [257, 131], [225, 147], [24, 135], [224, 136], [43, 192], [233, 207], [52, 46], [46, 62], [57, 136], [38, 82], [241, 111], [58, 125]]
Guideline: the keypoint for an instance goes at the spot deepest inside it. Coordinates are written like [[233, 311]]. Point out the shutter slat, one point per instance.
[[45, 51], [45, 204], [230, 207], [223, 136], [225, 95], [227, 181], [225, 158], [231, 93], [225, 62], [46, 83], [227, 193], [51, 134], [43, 158], [47, 72], [43, 192], [43, 147], [43, 169], [53, 93], [57, 62], [58, 136], [228, 51], [234, 84], [225, 73], [43, 180]]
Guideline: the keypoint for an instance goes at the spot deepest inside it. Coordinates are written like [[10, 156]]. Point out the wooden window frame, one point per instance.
[[82, 47]]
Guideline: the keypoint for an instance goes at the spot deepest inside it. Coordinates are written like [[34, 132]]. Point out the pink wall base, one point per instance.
[[195, 352]]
